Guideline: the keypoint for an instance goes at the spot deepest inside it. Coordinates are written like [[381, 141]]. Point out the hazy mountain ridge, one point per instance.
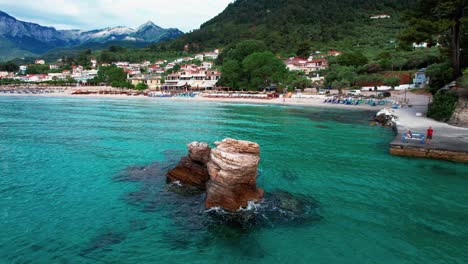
[[31, 38]]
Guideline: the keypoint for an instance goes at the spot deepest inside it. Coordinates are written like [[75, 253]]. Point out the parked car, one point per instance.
[[384, 94], [354, 92], [322, 91]]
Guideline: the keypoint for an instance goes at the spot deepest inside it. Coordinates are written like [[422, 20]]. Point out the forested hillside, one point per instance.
[[285, 24]]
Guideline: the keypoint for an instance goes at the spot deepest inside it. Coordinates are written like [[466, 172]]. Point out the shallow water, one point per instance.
[[62, 198]]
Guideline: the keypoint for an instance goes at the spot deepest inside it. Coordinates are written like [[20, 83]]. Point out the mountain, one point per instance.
[[29, 36], [284, 24], [19, 38], [149, 31]]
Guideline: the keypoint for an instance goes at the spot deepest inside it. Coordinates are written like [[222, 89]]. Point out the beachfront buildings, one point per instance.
[[153, 81], [191, 77], [307, 66]]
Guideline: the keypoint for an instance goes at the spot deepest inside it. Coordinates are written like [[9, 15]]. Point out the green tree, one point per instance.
[[141, 86], [84, 58], [439, 75], [432, 20], [443, 106], [352, 59], [9, 66], [37, 69], [243, 49], [111, 74], [262, 69], [297, 80], [232, 74], [304, 50], [392, 82]]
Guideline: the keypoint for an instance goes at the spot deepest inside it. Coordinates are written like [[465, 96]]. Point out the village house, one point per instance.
[[380, 16], [211, 55], [121, 64], [41, 62], [93, 63], [307, 66], [153, 81], [420, 78], [85, 75], [200, 57], [35, 78], [334, 53], [53, 66], [77, 69], [421, 45], [155, 69], [207, 65], [169, 66], [4, 74], [57, 76]]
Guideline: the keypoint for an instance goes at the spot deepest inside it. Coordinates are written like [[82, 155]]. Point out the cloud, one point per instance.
[[92, 14]]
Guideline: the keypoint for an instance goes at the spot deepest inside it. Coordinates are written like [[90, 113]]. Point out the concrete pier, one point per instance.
[[448, 143]]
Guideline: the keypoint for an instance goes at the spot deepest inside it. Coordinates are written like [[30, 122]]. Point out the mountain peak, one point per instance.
[[148, 24], [3, 14]]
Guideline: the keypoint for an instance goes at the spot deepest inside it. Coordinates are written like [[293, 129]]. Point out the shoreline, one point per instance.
[[316, 101], [449, 143]]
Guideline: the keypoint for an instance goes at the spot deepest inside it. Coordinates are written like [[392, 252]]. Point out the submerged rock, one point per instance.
[[233, 175], [192, 170]]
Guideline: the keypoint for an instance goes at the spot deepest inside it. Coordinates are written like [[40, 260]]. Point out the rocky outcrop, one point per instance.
[[233, 175], [192, 169], [386, 117], [460, 115], [228, 172]]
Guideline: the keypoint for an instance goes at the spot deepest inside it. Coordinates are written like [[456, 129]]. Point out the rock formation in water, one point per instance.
[[228, 172], [192, 169], [386, 117], [233, 175]]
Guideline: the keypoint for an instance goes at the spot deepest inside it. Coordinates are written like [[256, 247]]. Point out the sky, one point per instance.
[[185, 15]]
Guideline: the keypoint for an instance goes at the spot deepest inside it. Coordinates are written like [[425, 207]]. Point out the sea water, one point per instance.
[[61, 200]]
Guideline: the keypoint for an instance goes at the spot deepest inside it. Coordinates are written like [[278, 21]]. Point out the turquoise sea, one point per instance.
[[66, 195]]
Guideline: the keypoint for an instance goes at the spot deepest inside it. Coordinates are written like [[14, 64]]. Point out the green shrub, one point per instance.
[[443, 106], [440, 75], [141, 86], [463, 82]]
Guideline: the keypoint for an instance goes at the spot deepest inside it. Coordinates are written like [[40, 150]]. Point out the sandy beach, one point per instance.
[[314, 101]]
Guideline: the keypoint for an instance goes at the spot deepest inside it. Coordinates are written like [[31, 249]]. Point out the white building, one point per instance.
[[380, 16], [207, 65], [420, 45]]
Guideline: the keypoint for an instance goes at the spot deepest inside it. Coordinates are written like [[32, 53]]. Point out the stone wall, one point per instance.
[[421, 152]]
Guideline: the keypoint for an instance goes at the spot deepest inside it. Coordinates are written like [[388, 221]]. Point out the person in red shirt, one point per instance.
[[429, 133]]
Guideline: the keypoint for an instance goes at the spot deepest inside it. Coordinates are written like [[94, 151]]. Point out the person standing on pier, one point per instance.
[[429, 133]]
